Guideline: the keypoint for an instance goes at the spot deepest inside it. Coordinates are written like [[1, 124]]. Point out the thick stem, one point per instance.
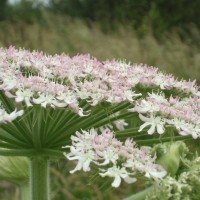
[[39, 179], [24, 191]]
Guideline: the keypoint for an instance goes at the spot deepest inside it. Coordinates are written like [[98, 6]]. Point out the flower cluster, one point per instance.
[[120, 160], [61, 81], [157, 111]]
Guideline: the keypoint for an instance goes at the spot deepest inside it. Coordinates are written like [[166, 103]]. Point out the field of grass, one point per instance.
[[56, 35]]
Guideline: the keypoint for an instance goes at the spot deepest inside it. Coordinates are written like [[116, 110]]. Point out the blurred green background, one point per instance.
[[162, 33]]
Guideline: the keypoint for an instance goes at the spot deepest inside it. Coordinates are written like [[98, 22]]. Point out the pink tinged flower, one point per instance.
[[84, 141], [109, 155], [162, 81], [67, 97], [197, 93], [178, 123], [133, 80], [156, 123], [190, 129], [185, 128], [118, 174], [9, 82], [158, 98], [105, 150], [83, 93], [96, 98]]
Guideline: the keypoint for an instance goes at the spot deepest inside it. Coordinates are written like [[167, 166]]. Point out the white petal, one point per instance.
[[160, 129], [38, 101], [116, 181], [194, 135], [27, 100], [20, 113], [19, 99], [8, 94], [156, 174], [77, 168], [152, 129], [86, 164], [132, 110], [129, 179], [143, 118], [183, 133], [143, 126]]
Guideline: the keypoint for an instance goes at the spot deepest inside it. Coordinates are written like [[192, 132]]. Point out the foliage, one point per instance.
[[111, 14], [183, 187], [60, 34]]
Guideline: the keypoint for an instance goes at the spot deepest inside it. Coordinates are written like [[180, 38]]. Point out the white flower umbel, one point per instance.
[[116, 159], [157, 111], [33, 83]]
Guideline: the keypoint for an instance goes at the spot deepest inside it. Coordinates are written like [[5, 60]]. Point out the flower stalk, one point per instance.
[[24, 191], [39, 179]]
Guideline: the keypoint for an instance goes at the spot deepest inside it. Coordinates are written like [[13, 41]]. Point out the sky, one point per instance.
[[12, 2]]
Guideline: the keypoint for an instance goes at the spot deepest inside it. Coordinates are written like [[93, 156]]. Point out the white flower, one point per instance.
[[67, 97], [24, 95], [84, 159], [118, 173], [178, 123], [83, 93], [155, 173], [45, 99], [145, 106], [185, 128], [9, 82], [120, 124], [5, 117], [190, 129], [83, 141], [109, 155], [155, 123], [129, 94]]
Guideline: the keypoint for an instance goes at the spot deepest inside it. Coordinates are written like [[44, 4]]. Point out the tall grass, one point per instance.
[[56, 34]]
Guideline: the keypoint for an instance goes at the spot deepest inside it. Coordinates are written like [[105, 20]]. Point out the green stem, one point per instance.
[[39, 178], [24, 191], [140, 195]]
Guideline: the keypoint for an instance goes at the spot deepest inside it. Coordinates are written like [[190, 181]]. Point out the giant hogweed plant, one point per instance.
[[54, 106]]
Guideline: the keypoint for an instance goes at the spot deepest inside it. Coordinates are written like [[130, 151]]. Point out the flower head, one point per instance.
[[115, 159]]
